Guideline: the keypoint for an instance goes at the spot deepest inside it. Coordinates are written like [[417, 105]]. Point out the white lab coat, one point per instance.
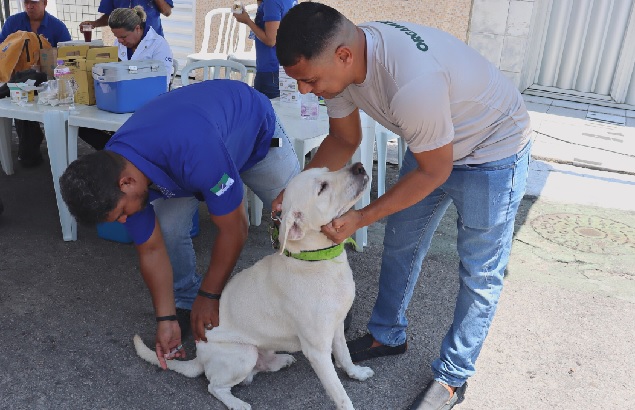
[[151, 47]]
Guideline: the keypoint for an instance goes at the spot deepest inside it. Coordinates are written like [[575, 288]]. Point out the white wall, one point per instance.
[[499, 30]]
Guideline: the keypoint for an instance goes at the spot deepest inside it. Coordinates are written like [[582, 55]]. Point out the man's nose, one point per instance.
[[304, 87]]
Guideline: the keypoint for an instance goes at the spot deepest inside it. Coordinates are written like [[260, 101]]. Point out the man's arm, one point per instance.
[[232, 235], [156, 271], [164, 7], [267, 36], [434, 169], [345, 135], [100, 22]]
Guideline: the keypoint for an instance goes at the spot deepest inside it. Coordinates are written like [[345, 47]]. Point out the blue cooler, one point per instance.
[[127, 85], [115, 231]]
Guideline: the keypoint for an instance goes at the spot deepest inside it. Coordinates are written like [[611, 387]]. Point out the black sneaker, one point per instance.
[[183, 316], [362, 348]]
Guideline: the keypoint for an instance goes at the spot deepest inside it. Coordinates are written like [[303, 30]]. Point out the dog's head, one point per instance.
[[314, 198]]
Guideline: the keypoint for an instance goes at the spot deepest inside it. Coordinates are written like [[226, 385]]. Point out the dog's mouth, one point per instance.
[[358, 194]]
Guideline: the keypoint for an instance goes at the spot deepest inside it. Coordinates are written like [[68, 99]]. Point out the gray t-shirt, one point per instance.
[[432, 89]]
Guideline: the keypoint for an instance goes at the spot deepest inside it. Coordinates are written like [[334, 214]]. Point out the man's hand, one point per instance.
[[242, 17], [204, 317], [276, 205], [343, 227], [167, 339], [85, 23]]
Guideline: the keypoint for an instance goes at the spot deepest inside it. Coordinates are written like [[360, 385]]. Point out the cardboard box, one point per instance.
[[21, 93], [81, 59], [48, 61]]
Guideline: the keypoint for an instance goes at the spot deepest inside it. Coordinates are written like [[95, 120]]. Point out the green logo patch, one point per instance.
[[222, 186]]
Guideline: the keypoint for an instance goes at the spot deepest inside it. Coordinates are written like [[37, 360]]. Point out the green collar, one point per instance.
[[311, 256], [321, 254]]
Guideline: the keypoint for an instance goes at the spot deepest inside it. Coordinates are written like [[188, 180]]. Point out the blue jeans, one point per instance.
[[486, 197], [266, 179], [268, 84]]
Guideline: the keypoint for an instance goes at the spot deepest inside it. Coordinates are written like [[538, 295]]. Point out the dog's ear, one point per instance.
[[292, 226]]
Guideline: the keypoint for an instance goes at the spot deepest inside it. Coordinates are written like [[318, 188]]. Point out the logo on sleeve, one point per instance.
[[223, 185]]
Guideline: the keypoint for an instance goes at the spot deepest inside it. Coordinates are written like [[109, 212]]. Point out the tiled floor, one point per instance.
[[582, 134]]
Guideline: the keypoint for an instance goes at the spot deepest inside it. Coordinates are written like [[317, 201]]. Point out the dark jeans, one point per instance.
[[267, 83], [95, 138], [30, 137]]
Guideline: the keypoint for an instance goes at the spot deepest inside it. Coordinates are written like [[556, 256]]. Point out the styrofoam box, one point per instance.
[[288, 84], [127, 85], [289, 96]]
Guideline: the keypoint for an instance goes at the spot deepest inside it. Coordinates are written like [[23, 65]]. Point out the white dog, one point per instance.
[[286, 304]]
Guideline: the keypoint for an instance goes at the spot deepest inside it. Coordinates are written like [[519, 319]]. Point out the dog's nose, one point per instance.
[[358, 169]]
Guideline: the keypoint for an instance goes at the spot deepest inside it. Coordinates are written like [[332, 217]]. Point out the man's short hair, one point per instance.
[[306, 31], [90, 186]]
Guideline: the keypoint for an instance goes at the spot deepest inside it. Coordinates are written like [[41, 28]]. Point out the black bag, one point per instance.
[[21, 77]]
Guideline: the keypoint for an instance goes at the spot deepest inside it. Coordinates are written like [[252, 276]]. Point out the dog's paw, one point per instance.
[[360, 373], [283, 360]]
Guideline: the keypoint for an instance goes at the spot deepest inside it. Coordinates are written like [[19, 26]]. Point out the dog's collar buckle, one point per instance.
[[274, 230]]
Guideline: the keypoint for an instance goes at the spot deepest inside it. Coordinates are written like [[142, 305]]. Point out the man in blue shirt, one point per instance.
[[199, 142], [153, 9], [36, 20]]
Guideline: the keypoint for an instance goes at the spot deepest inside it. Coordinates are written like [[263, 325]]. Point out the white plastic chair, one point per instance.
[[215, 69], [244, 56], [227, 38], [175, 69], [382, 136]]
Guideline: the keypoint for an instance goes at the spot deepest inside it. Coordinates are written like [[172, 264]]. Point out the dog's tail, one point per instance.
[[189, 368]]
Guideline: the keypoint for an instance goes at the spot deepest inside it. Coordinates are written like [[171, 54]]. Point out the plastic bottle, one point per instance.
[[309, 106], [64, 88]]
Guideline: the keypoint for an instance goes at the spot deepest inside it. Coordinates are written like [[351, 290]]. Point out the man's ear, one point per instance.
[[126, 183], [344, 54]]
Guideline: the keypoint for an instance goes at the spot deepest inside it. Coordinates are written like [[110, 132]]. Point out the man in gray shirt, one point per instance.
[[469, 141]]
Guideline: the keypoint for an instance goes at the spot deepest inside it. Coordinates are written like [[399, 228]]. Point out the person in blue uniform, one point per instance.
[[37, 20], [153, 9], [265, 29], [199, 142]]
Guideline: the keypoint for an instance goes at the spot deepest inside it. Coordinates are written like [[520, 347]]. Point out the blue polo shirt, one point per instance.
[[269, 10], [195, 141], [153, 15], [52, 28]]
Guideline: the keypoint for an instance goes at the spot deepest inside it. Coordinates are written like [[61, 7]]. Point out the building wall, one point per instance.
[[448, 15], [73, 12], [500, 30]]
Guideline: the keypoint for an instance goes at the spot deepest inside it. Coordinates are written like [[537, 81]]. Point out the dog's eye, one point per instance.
[[323, 186]]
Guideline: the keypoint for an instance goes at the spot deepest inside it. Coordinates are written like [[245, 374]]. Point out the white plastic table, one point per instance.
[[54, 120]]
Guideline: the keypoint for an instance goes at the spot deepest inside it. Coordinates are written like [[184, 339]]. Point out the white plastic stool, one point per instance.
[[382, 136]]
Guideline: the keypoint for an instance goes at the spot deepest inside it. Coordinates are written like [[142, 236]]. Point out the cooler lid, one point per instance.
[[128, 70]]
